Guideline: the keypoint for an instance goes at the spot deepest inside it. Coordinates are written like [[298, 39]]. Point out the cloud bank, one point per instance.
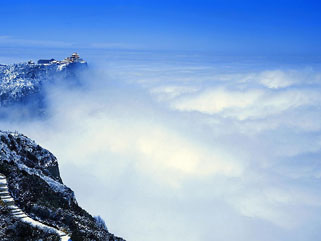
[[191, 150]]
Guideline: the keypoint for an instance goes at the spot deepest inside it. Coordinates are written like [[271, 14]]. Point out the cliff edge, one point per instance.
[[32, 193]]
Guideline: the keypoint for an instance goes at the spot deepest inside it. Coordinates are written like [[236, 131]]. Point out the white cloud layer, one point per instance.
[[191, 151], [247, 104]]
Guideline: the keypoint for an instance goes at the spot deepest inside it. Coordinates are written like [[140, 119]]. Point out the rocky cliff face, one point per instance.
[[33, 180]]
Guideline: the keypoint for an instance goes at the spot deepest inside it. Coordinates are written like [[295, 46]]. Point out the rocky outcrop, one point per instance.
[[8, 202], [25, 83], [34, 184]]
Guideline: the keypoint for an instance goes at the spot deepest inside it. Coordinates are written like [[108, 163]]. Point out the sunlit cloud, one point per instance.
[[153, 140]]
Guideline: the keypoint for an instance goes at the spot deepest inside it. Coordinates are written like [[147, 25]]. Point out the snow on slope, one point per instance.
[[48, 161], [18, 81], [19, 214]]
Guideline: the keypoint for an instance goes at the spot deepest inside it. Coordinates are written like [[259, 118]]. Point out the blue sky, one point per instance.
[[175, 140], [225, 27]]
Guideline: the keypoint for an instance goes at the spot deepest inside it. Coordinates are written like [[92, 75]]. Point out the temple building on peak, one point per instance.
[[74, 58]]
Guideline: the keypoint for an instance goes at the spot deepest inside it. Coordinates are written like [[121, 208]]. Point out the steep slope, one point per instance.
[[17, 213], [34, 183]]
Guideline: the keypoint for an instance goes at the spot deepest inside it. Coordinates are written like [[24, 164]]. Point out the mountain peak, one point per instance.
[[74, 58], [33, 199], [24, 83]]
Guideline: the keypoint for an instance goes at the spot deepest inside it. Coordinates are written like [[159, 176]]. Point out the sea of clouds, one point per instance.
[[187, 148]]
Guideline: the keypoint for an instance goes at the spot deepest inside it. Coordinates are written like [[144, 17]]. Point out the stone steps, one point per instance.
[[15, 211]]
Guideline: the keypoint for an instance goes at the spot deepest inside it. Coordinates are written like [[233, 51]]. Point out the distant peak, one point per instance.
[[74, 58]]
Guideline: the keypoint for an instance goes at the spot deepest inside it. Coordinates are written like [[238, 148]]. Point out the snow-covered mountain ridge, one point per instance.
[[34, 185], [23, 81]]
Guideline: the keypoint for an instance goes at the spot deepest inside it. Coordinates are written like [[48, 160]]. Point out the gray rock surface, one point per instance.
[[34, 182]]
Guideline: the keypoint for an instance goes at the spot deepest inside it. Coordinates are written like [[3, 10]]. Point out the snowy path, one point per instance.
[[19, 214]]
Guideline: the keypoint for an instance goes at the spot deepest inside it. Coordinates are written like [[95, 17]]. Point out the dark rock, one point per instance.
[[34, 182]]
